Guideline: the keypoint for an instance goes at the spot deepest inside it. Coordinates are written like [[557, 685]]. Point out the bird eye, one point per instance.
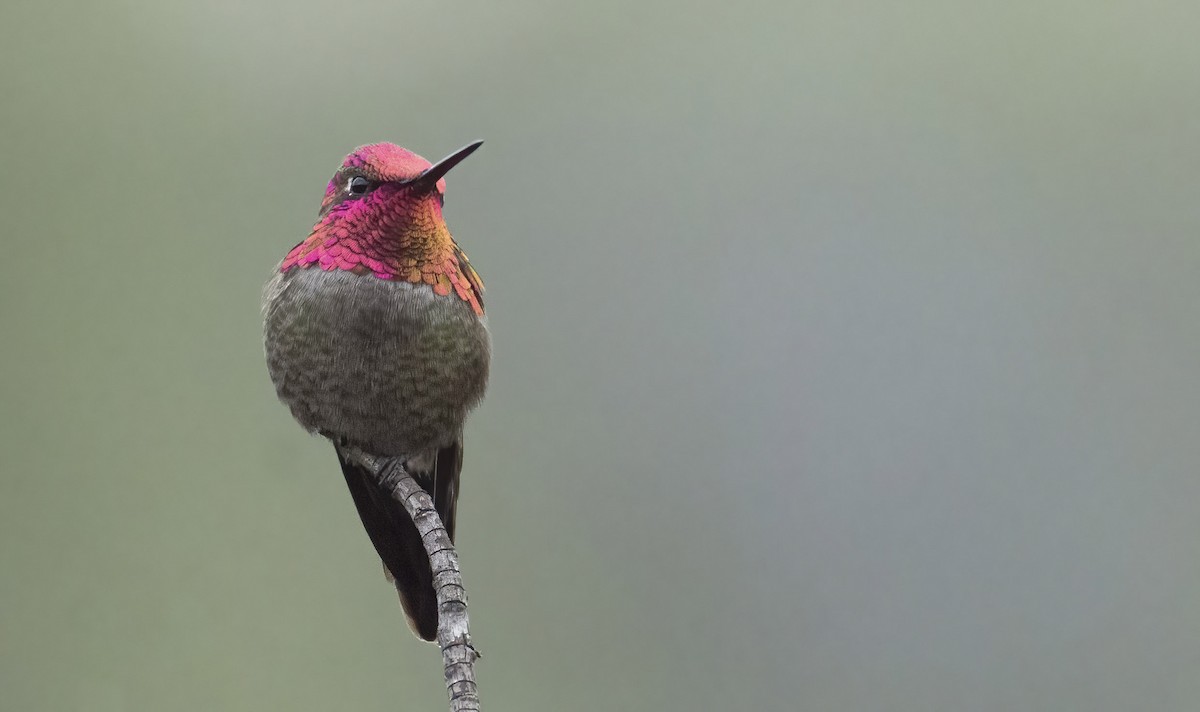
[[358, 186]]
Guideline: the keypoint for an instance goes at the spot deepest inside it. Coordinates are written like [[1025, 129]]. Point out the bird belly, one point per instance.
[[385, 365]]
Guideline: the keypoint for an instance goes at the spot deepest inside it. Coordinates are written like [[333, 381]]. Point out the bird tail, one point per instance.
[[395, 536]]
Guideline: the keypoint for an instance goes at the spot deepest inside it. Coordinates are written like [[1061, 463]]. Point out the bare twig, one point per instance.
[[453, 636]]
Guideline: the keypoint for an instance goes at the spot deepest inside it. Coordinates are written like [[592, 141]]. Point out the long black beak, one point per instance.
[[434, 173]]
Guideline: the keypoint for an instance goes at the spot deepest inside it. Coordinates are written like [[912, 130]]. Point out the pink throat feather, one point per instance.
[[388, 233], [390, 239]]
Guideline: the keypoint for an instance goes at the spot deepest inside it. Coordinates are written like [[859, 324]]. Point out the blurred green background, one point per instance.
[[846, 354]]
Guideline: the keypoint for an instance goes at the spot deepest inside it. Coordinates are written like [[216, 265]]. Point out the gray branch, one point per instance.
[[453, 636]]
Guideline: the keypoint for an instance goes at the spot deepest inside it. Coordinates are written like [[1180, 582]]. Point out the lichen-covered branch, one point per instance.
[[454, 637]]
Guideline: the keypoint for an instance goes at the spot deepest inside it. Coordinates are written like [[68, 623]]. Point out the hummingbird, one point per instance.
[[376, 339]]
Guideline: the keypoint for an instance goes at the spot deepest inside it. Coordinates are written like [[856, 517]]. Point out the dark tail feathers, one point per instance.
[[395, 536]]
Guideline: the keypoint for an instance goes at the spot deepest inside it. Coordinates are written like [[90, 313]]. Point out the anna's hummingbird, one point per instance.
[[376, 338]]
